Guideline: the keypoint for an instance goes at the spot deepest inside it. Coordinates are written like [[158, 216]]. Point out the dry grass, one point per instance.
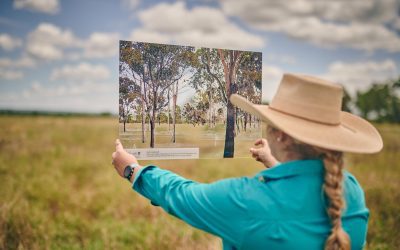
[[58, 190]]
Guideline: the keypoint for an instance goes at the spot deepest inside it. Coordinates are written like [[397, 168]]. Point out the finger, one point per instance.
[[118, 145], [113, 155], [262, 142], [254, 152], [258, 142]]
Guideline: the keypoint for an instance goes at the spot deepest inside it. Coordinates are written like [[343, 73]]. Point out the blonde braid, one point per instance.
[[333, 187]]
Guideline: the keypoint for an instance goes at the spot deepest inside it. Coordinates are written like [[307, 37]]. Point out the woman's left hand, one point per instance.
[[263, 153]]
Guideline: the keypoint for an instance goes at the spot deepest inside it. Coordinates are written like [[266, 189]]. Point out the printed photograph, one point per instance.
[[176, 99]]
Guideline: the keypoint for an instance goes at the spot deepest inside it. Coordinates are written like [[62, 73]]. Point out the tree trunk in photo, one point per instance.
[[124, 125], [229, 133], [142, 99], [143, 121], [245, 121], [241, 122], [174, 98], [151, 133], [169, 111], [230, 68], [250, 121], [237, 121], [153, 121], [209, 116], [174, 128]]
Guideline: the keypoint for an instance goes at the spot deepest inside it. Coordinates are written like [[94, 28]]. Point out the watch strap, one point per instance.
[[132, 169]]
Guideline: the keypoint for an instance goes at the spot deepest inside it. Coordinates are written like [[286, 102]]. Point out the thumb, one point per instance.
[[118, 145]]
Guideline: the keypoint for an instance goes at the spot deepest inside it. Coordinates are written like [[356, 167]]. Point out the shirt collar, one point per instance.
[[292, 168]]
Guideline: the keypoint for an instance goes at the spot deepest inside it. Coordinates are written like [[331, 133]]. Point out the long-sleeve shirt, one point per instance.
[[283, 207]]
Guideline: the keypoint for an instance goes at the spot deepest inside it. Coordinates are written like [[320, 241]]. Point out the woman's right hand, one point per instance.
[[263, 154], [121, 158]]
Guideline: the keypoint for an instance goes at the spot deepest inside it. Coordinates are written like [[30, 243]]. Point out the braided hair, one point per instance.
[[333, 188]]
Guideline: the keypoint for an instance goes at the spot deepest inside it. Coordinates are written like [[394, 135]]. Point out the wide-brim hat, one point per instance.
[[309, 110]]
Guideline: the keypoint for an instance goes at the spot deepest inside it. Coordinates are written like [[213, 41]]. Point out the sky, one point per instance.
[[63, 55]]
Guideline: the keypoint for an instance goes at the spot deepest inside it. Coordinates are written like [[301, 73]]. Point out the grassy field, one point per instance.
[[58, 189]]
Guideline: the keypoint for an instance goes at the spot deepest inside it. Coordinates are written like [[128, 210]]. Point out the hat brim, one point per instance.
[[353, 134]]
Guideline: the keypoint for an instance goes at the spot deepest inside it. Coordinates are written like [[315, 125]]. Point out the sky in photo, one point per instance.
[[63, 55]]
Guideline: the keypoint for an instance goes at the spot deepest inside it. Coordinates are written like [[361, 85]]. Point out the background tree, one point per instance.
[[380, 102]]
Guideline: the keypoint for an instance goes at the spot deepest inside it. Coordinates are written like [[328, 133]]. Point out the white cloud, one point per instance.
[[131, 4], [396, 24], [23, 62], [360, 75], [355, 24], [44, 6], [369, 11], [47, 42], [11, 74], [353, 76], [100, 45], [8, 42], [81, 72], [199, 26], [143, 35]]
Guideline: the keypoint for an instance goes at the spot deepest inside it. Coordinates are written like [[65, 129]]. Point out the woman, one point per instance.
[[303, 200]]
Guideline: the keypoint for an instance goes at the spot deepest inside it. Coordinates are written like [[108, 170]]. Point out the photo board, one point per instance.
[[174, 101]]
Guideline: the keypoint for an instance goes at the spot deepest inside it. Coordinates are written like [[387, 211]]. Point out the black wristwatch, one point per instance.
[[128, 171]]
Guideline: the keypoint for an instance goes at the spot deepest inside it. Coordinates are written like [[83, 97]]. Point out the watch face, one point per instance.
[[127, 171]]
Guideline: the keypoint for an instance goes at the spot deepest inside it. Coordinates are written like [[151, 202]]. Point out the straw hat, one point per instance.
[[309, 110]]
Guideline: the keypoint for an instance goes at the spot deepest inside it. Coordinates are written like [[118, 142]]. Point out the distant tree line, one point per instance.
[[379, 103], [13, 112]]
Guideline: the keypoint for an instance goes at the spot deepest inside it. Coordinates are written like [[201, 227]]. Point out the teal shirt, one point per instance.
[[283, 207]]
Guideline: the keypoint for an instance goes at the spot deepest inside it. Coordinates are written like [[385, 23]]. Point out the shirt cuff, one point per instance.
[[138, 174]]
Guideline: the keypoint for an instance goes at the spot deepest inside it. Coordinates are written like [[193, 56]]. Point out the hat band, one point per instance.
[[304, 118], [314, 111]]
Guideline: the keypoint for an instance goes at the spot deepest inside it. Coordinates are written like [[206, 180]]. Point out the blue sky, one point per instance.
[[63, 55]]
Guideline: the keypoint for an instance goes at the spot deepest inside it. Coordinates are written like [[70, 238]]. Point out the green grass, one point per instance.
[[58, 189]]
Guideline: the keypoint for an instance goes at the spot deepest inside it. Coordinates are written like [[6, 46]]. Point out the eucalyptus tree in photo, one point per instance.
[[126, 99], [220, 70], [154, 69]]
